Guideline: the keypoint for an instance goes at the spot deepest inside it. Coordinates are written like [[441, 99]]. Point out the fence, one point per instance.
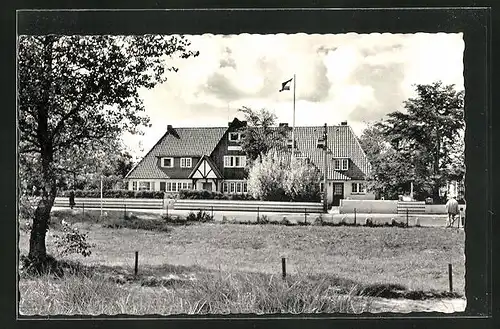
[[411, 207], [251, 206], [111, 203]]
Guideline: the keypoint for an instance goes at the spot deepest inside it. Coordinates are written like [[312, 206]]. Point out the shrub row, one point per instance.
[[127, 194], [212, 195]]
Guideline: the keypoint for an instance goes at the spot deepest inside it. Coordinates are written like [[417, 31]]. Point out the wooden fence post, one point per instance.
[[124, 210], [450, 276], [406, 217], [83, 208], [136, 266], [212, 211], [354, 216], [283, 267], [305, 215], [257, 214]]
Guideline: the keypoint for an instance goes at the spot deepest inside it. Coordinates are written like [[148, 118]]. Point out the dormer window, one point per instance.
[[167, 162], [341, 164]]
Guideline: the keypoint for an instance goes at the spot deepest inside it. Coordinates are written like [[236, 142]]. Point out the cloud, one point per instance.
[[354, 77]]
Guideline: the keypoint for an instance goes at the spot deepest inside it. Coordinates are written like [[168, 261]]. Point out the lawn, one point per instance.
[[352, 259]]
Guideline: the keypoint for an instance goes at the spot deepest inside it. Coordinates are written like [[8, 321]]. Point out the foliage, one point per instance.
[[71, 241], [428, 132], [212, 195], [119, 194], [275, 178], [260, 135], [423, 144], [77, 93], [200, 216]]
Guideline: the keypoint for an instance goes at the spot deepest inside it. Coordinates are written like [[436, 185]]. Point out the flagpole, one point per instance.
[[293, 123]]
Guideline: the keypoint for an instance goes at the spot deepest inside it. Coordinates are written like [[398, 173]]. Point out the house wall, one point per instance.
[[348, 194], [218, 157], [177, 171]]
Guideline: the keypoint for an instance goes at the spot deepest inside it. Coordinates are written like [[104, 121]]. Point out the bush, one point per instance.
[[262, 219], [201, 216], [211, 195], [71, 241], [118, 194]]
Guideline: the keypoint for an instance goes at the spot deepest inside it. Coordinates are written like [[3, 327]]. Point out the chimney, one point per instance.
[[172, 131], [343, 123], [283, 124]]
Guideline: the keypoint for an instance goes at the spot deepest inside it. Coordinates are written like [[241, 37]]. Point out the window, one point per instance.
[[236, 137], [235, 161], [245, 187], [336, 164], [224, 187], [186, 162], [163, 186], [167, 162], [134, 186], [179, 186], [190, 186], [144, 186], [322, 187], [238, 187], [184, 186], [345, 164], [231, 185], [358, 188]]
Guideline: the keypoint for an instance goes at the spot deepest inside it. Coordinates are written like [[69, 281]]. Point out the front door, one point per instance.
[[338, 193], [207, 186]]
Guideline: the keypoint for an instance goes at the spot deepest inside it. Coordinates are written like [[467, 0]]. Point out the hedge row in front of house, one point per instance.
[[211, 195], [119, 194]]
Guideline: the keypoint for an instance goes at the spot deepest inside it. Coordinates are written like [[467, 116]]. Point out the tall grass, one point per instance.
[[214, 293]]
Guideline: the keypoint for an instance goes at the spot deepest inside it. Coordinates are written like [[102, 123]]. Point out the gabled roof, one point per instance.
[[177, 142], [213, 167], [342, 142]]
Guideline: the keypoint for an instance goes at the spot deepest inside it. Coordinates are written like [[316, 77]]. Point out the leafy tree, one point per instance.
[[421, 144], [75, 94], [275, 178], [261, 135]]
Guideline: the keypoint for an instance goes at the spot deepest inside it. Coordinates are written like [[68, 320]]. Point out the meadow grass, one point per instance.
[[233, 265]]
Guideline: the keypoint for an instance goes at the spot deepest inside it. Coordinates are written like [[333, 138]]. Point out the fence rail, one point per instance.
[[244, 205], [111, 203], [412, 207]]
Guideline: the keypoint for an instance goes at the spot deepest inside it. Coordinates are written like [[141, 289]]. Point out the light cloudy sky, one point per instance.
[[354, 77]]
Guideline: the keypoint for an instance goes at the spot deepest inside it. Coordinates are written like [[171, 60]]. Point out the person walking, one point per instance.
[[452, 210]]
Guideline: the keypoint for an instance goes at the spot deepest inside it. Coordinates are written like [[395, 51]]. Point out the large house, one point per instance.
[[212, 159]]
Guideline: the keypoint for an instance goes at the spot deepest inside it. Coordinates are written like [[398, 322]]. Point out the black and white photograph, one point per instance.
[[221, 174]]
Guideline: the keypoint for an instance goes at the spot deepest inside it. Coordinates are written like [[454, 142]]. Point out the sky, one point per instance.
[[350, 77]]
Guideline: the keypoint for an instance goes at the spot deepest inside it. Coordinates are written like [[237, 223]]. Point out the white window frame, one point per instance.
[[230, 161], [162, 162], [238, 136], [345, 164], [141, 183], [134, 185], [335, 162], [186, 162]]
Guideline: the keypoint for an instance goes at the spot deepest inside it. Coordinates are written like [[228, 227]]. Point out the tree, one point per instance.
[[275, 178], [260, 133], [421, 142], [77, 92]]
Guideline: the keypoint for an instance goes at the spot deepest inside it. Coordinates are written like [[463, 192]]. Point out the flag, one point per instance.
[[286, 85]]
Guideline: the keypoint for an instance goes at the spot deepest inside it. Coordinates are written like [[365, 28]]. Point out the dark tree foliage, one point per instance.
[[75, 94], [261, 135], [422, 144]]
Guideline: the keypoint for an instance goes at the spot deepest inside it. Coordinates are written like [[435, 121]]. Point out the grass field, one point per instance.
[[240, 266]]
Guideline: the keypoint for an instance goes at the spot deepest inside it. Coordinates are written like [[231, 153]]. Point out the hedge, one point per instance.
[[119, 194], [212, 195]]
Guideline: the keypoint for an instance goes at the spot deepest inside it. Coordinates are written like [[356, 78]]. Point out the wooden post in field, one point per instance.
[[167, 210], [124, 210], [136, 265], [305, 215], [257, 213], [450, 276], [83, 209], [212, 211], [354, 216], [406, 217], [283, 267]]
